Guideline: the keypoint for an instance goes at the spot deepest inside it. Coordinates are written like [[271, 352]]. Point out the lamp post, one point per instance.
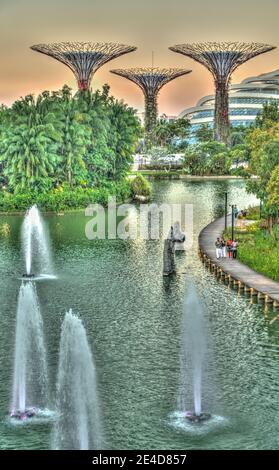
[[226, 211], [233, 216]]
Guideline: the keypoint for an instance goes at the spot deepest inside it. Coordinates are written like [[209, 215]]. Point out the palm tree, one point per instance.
[[74, 131], [28, 153]]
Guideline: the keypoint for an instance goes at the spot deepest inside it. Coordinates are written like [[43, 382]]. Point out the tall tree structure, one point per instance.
[[83, 58], [150, 80], [222, 59]]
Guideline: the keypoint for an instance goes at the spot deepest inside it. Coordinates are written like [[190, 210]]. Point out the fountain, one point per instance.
[[193, 357], [35, 244], [78, 424], [30, 370]]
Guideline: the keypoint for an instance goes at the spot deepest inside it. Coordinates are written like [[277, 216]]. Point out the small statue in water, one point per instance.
[[178, 237], [175, 237]]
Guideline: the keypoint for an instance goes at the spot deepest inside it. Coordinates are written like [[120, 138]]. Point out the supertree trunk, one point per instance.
[[150, 80], [221, 117], [83, 85], [150, 120], [222, 59]]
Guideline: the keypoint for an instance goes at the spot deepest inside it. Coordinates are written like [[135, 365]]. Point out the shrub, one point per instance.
[[64, 198], [140, 187]]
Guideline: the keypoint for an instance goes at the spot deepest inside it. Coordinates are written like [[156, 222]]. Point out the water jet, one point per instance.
[[193, 358], [30, 369], [78, 425], [35, 244]]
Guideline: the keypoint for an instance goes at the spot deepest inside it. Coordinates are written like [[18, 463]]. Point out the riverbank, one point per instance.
[[64, 199], [177, 174], [234, 271]]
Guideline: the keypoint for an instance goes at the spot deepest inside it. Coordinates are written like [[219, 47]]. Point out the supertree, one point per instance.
[[150, 80], [222, 59], [83, 58]]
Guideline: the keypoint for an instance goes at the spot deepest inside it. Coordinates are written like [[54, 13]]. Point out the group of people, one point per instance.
[[224, 248]]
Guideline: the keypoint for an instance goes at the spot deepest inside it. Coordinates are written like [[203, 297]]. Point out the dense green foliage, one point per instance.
[[140, 187], [167, 133], [204, 133], [268, 116], [258, 243], [207, 158], [84, 140], [263, 142], [65, 198], [273, 190]]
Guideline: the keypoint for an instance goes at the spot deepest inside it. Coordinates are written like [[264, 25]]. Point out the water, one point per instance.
[[35, 243], [133, 319], [78, 424], [193, 359], [30, 370]]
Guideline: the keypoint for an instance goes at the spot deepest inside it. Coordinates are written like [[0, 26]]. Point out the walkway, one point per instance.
[[234, 268]]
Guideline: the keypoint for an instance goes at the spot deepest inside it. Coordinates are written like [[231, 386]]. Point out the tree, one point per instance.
[[195, 161], [83, 140], [99, 155], [238, 135], [220, 163], [74, 139], [123, 137], [29, 156], [264, 147], [273, 189], [208, 158], [172, 134], [239, 155], [204, 133], [268, 116], [162, 133]]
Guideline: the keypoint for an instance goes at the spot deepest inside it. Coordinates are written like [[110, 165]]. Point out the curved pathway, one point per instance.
[[232, 268]]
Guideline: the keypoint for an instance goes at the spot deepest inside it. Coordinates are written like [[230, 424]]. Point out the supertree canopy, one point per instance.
[[222, 59], [150, 80], [83, 58]]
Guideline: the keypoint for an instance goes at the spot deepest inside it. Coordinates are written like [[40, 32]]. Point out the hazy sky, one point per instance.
[[147, 24]]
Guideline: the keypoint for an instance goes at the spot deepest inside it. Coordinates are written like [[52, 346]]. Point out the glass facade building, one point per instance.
[[246, 100]]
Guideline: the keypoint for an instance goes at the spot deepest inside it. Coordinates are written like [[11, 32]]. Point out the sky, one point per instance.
[[151, 25]]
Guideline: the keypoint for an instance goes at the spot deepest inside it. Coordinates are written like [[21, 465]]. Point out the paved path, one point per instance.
[[235, 268]]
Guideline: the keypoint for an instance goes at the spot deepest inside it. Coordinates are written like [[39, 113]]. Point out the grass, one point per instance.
[[259, 250]]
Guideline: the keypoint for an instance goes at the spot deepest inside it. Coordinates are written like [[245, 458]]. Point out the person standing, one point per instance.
[[234, 248], [218, 246], [224, 248], [229, 246]]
